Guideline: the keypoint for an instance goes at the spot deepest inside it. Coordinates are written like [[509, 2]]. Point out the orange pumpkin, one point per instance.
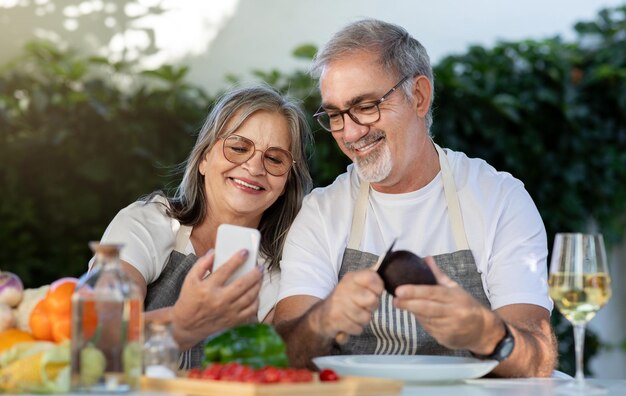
[[39, 322], [50, 320], [10, 337], [61, 328], [59, 298]]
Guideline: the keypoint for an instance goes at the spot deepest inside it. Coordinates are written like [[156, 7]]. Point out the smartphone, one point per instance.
[[230, 240]]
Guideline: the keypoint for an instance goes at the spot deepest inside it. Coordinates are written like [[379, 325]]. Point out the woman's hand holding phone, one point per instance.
[[207, 305]]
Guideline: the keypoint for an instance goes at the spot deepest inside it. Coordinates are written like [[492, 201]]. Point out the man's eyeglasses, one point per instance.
[[365, 113], [276, 161]]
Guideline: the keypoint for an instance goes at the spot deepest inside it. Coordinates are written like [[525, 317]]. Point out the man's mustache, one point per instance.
[[365, 140]]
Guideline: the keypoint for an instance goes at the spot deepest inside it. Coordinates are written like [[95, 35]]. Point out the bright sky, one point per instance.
[[262, 34], [218, 37]]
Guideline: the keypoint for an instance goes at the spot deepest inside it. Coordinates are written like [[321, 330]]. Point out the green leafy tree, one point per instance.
[[75, 147]]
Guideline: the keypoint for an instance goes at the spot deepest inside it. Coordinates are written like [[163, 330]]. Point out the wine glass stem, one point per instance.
[[579, 346]]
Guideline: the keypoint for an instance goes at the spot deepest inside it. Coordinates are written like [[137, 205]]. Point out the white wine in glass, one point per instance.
[[579, 285]]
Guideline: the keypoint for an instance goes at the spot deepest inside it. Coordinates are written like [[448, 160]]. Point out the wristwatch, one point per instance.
[[503, 349]]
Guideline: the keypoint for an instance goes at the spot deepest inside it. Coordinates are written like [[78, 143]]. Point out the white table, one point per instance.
[[509, 387]]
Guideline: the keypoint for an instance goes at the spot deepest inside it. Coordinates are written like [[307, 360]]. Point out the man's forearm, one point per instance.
[[303, 338], [534, 354]]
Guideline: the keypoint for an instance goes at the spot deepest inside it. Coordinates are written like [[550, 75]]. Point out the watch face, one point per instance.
[[503, 349], [507, 347]]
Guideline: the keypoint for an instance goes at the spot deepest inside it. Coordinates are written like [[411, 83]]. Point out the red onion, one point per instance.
[[11, 289]]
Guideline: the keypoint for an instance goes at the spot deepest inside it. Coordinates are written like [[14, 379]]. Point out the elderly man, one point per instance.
[[484, 233]]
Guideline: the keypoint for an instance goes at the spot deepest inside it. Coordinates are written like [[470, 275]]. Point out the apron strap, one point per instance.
[[452, 201], [358, 218], [182, 238]]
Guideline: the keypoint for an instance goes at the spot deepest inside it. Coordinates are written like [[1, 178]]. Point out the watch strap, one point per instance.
[[503, 348]]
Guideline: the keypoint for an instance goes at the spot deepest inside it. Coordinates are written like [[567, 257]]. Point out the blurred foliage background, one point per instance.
[[82, 137]]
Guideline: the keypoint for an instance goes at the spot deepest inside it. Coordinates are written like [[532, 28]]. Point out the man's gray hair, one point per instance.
[[399, 53]]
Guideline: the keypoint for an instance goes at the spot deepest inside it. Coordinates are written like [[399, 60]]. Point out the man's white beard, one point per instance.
[[376, 166]]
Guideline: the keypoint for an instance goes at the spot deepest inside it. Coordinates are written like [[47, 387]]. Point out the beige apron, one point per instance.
[[395, 331]]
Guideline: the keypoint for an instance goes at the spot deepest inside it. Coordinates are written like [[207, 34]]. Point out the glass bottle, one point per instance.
[[160, 356], [107, 327]]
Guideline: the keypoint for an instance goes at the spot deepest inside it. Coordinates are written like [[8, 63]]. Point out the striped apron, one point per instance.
[[394, 331]]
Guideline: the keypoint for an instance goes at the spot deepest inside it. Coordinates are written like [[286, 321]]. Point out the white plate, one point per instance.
[[418, 368]]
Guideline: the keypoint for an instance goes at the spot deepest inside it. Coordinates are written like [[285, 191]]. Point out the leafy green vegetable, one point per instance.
[[255, 345]]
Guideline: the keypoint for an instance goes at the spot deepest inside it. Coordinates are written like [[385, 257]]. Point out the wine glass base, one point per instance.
[[580, 387]]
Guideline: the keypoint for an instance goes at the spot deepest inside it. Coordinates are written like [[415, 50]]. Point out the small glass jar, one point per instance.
[[160, 354]]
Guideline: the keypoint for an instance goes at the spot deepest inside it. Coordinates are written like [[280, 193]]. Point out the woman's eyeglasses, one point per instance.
[[276, 161]]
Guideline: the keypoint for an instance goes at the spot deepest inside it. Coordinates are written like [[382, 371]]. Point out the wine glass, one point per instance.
[[579, 285]]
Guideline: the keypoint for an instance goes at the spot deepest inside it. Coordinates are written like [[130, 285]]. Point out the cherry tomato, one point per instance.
[[212, 372], [242, 373], [269, 375], [194, 373], [231, 372], [328, 375]]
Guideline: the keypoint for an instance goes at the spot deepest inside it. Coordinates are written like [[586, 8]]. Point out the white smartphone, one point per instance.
[[230, 240]]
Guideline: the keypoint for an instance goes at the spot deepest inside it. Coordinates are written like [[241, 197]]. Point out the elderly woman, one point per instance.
[[247, 168]]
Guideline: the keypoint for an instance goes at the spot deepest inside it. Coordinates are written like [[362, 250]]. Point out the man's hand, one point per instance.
[[349, 307], [457, 320], [309, 325], [446, 311]]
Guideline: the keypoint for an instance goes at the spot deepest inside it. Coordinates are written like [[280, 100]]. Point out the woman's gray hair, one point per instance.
[[399, 53], [189, 204]]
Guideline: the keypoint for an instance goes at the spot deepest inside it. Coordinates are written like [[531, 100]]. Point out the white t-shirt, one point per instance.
[[149, 235], [503, 228]]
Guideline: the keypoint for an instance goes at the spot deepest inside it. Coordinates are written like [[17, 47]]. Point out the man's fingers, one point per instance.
[[421, 307], [369, 279], [442, 279], [369, 301]]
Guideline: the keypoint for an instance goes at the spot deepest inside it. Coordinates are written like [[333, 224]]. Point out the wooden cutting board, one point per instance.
[[346, 386]]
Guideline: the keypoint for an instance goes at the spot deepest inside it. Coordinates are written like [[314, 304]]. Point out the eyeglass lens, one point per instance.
[[238, 149], [362, 114]]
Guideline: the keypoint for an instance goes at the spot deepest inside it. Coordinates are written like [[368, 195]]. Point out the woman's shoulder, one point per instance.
[[150, 210], [146, 220], [147, 232]]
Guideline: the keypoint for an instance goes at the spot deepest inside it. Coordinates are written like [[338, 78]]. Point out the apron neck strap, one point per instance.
[[358, 218], [182, 238], [452, 200]]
